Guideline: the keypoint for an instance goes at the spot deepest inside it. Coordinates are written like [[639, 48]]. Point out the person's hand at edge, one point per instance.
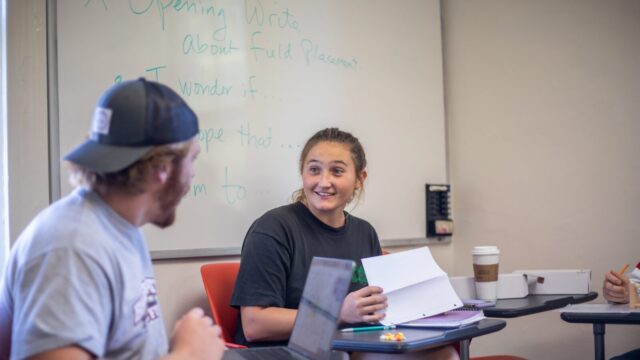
[[616, 287]]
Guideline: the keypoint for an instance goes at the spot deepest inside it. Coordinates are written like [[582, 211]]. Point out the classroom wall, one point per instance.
[[542, 112], [27, 163], [4, 234]]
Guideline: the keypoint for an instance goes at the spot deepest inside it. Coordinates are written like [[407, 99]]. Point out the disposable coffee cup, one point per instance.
[[485, 271]]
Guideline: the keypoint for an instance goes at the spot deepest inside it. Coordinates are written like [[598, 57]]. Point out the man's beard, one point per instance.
[[169, 198]]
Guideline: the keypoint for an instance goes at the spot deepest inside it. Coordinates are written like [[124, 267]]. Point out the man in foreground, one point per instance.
[[79, 283]]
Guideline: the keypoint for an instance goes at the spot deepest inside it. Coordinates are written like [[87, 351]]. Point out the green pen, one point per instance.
[[368, 328]]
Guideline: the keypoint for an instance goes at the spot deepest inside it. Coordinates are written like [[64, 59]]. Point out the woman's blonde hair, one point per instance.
[[338, 136], [132, 178]]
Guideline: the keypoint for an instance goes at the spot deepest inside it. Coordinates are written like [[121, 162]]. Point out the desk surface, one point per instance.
[[599, 318], [632, 317], [532, 304], [416, 339]]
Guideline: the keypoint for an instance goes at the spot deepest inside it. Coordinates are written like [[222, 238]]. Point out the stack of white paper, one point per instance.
[[450, 319], [414, 284]]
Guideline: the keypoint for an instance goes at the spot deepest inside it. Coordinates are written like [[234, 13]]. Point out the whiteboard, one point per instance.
[[263, 76]]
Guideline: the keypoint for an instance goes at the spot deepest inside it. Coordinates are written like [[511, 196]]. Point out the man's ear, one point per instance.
[[162, 172]]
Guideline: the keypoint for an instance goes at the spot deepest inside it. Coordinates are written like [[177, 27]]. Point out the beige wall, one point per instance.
[[543, 114], [27, 134], [542, 108], [4, 231]]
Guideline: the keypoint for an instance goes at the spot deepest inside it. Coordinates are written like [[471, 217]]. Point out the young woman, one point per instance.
[[279, 246]]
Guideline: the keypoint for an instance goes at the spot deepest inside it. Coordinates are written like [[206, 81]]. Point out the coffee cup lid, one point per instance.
[[485, 250]]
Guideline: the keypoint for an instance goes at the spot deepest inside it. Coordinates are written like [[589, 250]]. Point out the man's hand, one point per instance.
[[195, 337]]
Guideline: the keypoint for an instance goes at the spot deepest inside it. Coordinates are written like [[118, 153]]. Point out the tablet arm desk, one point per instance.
[[532, 304], [417, 339], [599, 320]]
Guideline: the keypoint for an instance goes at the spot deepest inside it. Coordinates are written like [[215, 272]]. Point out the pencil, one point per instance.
[[369, 328], [624, 268]]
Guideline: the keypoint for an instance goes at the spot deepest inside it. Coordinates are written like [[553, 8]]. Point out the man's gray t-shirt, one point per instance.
[[81, 275]]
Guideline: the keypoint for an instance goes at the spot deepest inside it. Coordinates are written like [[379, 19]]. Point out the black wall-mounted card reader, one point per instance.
[[439, 221]]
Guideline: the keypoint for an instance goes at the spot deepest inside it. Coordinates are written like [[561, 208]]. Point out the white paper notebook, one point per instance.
[[449, 319], [414, 284]]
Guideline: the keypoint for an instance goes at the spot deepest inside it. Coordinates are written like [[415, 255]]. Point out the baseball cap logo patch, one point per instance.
[[101, 121]]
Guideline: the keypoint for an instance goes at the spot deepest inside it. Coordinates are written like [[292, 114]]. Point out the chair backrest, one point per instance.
[[219, 280]]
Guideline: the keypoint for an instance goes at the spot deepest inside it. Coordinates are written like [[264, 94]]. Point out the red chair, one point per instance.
[[219, 280]]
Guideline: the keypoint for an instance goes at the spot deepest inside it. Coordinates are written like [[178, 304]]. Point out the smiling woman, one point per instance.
[[280, 245], [333, 167]]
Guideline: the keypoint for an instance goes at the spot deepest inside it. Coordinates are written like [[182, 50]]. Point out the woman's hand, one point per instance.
[[361, 305], [616, 287]]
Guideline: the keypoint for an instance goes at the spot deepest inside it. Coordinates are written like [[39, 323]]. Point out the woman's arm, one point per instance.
[[267, 323]]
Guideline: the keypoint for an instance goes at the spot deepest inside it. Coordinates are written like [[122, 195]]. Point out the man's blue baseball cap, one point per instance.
[[130, 119]]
